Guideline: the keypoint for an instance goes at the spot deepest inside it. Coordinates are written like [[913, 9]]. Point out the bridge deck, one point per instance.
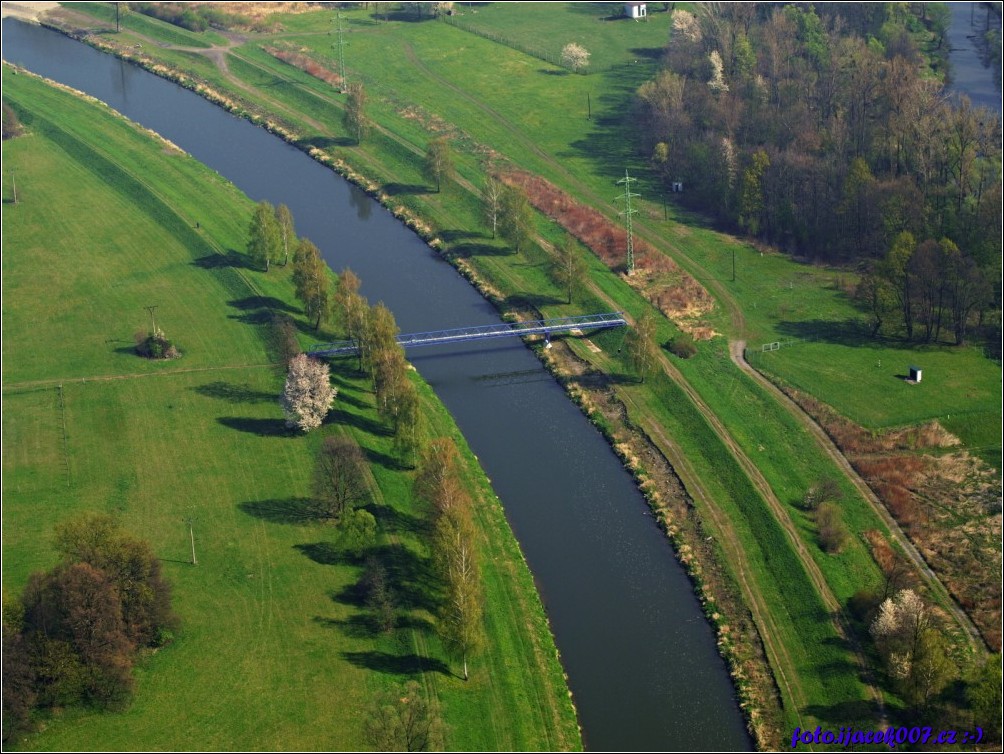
[[545, 327]]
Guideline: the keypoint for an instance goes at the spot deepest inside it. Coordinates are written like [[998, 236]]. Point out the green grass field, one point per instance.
[[273, 650]]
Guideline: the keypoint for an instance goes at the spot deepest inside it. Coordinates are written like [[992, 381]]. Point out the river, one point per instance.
[[968, 74], [639, 654]]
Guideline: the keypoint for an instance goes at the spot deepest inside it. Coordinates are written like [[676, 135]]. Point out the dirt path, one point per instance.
[[737, 350]]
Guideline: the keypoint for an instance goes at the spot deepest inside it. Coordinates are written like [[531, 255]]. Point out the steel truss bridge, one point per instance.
[[545, 327]]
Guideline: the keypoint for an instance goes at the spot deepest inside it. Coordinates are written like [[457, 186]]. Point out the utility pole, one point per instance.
[[340, 44], [153, 323], [628, 211]]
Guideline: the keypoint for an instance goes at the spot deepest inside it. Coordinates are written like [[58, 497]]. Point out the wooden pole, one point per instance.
[[191, 535]]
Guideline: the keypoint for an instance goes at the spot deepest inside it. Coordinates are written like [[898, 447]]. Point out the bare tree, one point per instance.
[[308, 394], [355, 120], [340, 480], [491, 200], [460, 621], [569, 269], [642, 351], [287, 232], [404, 719], [439, 161]]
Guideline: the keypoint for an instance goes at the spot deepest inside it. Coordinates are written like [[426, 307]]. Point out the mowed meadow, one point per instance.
[[274, 649]]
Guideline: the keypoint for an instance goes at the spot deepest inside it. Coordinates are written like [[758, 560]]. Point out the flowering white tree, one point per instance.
[[574, 56], [308, 393]]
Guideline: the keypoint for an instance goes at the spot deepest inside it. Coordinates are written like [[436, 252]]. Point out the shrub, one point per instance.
[[155, 345], [683, 345]]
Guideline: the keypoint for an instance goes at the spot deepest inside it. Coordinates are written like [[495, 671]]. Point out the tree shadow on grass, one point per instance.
[[530, 300], [384, 662], [846, 332], [327, 553], [215, 261], [393, 521], [290, 510], [396, 189], [843, 713], [388, 462], [340, 416], [259, 427], [466, 250], [263, 302], [324, 142], [231, 393], [411, 577]]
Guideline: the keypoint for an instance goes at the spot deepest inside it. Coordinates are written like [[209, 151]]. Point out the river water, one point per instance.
[[969, 76], [640, 657]]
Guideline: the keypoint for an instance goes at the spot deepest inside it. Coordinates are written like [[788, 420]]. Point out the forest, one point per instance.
[[829, 133]]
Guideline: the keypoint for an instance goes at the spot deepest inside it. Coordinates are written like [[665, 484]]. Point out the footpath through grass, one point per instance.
[[274, 651]]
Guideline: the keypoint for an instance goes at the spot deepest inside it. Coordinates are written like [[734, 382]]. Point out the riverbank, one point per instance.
[[270, 617]]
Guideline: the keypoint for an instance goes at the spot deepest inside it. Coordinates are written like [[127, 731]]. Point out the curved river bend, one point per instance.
[[640, 656]]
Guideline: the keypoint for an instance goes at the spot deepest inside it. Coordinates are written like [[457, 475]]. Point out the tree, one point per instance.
[[460, 619], [351, 308], [832, 531], [438, 481], [642, 351], [895, 268], [310, 276], [132, 566], [264, 236], [516, 217], [569, 269], [439, 161], [79, 606], [12, 127], [379, 597], [355, 120], [574, 56], [491, 200], [284, 219], [308, 393], [404, 719], [751, 198], [340, 478]]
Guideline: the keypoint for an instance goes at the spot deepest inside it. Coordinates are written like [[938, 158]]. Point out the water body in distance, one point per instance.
[[639, 654], [969, 76]]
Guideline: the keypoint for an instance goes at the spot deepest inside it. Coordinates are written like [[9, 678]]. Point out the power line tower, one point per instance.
[[340, 44], [626, 214]]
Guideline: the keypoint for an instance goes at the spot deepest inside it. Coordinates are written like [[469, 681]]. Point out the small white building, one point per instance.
[[636, 10]]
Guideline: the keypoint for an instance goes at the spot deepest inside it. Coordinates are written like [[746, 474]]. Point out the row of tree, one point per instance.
[[439, 484], [822, 130], [73, 636]]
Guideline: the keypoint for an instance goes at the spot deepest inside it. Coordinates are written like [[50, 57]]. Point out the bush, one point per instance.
[[155, 346], [682, 345], [12, 127]]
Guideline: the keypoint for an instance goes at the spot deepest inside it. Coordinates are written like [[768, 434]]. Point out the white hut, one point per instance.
[[636, 10]]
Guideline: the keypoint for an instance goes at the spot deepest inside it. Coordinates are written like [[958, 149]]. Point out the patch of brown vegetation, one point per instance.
[[948, 503], [656, 276], [306, 64], [259, 11]]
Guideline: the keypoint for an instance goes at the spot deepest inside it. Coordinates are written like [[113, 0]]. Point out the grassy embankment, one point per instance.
[[421, 78], [274, 651]]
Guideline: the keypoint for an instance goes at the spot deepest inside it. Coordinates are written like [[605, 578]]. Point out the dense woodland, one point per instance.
[[828, 132]]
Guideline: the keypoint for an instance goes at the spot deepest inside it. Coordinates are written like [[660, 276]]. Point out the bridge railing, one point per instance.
[[483, 332]]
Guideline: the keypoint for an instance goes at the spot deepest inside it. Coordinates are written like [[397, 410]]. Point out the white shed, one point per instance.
[[636, 10]]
